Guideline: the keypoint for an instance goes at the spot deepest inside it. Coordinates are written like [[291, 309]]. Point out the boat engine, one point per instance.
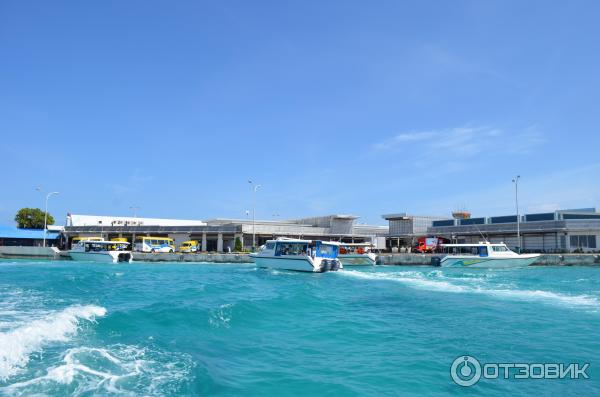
[[335, 265], [330, 265]]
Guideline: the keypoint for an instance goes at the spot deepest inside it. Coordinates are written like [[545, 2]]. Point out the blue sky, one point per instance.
[[332, 106]]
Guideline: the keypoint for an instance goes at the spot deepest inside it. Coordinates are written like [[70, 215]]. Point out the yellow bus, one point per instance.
[[154, 244]]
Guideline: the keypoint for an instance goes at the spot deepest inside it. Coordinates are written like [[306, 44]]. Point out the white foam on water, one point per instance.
[[118, 369], [18, 344], [415, 279], [221, 317], [436, 283], [569, 300]]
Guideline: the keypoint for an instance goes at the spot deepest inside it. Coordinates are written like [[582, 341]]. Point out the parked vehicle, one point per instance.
[[154, 244], [429, 244], [189, 246]]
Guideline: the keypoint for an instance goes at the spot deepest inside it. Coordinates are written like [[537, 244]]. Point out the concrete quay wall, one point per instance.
[[177, 257], [29, 252]]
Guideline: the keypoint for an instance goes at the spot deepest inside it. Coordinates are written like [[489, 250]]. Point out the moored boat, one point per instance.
[[101, 251], [484, 254], [298, 255], [357, 254]]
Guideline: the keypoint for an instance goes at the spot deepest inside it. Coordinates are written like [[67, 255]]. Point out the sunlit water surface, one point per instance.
[[73, 328]]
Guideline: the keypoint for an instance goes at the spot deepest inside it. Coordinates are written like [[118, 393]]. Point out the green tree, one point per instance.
[[32, 218], [238, 245]]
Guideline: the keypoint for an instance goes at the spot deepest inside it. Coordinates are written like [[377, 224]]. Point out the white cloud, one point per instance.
[[463, 141], [405, 137]]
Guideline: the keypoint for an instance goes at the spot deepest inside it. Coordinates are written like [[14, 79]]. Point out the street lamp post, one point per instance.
[[46, 216], [516, 182], [255, 187]]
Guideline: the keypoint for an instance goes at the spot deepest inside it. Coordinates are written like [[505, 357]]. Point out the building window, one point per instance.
[[583, 241]]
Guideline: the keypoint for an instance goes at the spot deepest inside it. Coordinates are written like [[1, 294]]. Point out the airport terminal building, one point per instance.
[[576, 230], [219, 235]]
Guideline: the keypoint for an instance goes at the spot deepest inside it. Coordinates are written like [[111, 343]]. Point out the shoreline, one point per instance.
[[412, 259]]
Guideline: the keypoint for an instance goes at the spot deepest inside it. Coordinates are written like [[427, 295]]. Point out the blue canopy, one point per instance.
[[13, 232]]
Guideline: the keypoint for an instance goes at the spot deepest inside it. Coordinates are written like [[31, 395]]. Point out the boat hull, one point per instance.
[[487, 262], [299, 264], [104, 257], [358, 259]]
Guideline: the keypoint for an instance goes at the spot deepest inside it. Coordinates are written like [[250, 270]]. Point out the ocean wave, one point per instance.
[[117, 369], [439, 282], [18, 344]]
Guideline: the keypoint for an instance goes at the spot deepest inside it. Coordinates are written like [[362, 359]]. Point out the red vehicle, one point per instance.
[[429, 244]]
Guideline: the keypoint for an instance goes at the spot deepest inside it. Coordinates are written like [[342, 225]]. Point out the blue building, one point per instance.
[[12, 236]]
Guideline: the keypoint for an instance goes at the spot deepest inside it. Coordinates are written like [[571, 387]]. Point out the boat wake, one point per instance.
[[17, 345], [116, 369], [469, 284]]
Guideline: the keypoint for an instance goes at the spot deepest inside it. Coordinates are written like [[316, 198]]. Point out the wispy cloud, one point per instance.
[[464, 141]]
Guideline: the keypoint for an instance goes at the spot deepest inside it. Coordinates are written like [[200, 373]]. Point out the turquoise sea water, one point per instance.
[[69, 328]]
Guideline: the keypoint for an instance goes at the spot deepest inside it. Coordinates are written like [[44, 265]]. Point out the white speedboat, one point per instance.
[[299, 255], [101, 251], [484, 254], [357, 254]]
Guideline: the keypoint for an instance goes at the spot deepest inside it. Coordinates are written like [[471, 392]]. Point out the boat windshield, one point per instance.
[[291, 248], [500, 248]]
